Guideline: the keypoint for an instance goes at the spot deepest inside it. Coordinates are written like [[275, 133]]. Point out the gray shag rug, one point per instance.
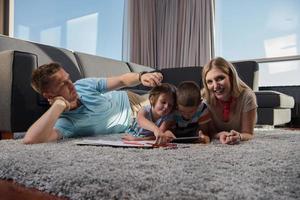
[[267, 167]]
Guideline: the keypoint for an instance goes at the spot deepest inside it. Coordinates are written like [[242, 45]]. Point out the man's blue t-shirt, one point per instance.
[[101, 111]]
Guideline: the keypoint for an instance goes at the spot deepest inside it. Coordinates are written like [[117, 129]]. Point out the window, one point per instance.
[[258, 29], [93, 26]]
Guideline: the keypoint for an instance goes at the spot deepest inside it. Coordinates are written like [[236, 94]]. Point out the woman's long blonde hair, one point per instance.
[[237, 85]]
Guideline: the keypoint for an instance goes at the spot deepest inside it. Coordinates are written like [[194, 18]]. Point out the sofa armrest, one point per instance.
[[274, 99], [19, 105]]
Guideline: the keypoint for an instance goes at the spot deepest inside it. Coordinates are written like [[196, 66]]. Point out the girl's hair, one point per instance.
[[188, 94], [164, 88], [237, 85], [41, 77]]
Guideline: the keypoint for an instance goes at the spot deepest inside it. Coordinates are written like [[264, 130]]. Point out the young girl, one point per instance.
[[153, 120]]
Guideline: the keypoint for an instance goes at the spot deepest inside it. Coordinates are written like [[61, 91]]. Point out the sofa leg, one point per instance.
[[4, 135]]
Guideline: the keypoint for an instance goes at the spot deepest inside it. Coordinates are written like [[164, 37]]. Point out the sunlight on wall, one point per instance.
[[82, 33], [25, 32], [281, 46], [51, 36], [272, 74], [275, 68]]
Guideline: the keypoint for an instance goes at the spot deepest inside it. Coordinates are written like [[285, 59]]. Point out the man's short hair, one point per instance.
[[188, 94], [41, 77]]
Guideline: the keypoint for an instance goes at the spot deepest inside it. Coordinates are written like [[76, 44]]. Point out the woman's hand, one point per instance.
[[232, 137]]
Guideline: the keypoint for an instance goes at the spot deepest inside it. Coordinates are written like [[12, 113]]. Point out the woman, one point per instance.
[[231, 102]]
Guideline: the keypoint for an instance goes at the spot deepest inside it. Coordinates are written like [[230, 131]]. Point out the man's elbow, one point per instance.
[[28, 140]]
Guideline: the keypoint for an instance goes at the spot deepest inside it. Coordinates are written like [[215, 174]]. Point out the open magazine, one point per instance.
[[118, 143], [135, 144]]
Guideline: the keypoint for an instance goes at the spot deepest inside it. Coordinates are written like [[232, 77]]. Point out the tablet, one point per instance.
[[186, 139]]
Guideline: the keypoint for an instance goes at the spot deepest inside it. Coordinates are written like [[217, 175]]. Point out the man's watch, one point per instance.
[[141, 74]]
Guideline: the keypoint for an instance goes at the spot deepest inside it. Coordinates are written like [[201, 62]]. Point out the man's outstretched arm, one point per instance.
[[43, 129], [149, 79]]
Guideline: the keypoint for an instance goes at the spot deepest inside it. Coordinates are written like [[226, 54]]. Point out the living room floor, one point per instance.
[[10, 190]]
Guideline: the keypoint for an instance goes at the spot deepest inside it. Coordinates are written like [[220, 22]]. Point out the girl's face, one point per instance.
[[164, 104], [218, 83]]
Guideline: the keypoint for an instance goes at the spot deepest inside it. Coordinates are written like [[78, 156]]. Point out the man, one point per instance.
[[88, 107]]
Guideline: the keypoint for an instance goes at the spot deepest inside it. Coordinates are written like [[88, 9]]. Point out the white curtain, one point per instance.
[[168, 33]]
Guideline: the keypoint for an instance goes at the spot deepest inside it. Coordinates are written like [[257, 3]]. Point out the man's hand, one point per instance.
[[151, 79], [60, 101]]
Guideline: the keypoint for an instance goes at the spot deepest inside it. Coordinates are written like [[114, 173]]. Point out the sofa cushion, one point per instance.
[[45, 53], [96, 66], [139, 68], [273, 99], [179, 74]]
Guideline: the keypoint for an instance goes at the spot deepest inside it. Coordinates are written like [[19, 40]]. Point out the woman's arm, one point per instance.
[[247, 131], [248, 124]]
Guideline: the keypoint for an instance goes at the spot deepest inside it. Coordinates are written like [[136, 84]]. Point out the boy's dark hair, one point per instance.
[[188, 94], [164, 88], [41, 77]]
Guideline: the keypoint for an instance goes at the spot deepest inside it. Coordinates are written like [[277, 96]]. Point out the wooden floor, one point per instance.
[[13, 191]]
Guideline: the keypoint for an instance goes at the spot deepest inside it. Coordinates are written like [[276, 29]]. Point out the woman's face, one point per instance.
[[218, 83]]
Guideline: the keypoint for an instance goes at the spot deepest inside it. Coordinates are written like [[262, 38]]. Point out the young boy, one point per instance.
[[192, 116]]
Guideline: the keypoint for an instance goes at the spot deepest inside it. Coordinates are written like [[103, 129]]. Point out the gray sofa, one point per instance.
[[20, 106]]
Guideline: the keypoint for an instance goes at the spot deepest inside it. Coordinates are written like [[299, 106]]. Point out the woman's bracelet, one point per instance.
[[240, 137]]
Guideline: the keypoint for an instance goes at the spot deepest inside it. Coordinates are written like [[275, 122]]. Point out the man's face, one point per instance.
[[61, 85]]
